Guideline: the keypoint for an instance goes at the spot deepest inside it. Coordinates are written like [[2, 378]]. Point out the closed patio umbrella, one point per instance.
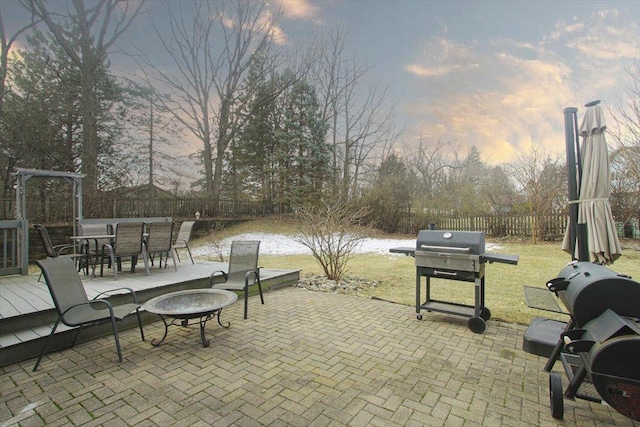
[[594, 209]]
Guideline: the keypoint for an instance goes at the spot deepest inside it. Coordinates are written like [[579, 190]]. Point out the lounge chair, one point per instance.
[[74, 308]]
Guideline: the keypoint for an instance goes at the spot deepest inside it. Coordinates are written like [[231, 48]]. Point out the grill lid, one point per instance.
[[454, 242]]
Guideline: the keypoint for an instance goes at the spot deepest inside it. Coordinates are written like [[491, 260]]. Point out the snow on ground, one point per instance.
[[280, 244]]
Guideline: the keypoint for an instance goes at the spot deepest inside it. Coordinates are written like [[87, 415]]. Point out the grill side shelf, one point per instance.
[[403, 250], [502, 258]]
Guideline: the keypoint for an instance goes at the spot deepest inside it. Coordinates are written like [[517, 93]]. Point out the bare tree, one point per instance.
[[625, 159], [430, 163], [212, 49], [85, 35], [357, 111], [542, 180], [329, 230]]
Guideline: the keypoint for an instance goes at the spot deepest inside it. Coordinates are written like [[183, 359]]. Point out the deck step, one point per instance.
[[22, 334]]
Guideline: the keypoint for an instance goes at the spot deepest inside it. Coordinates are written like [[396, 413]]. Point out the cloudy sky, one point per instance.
[[495, 74]]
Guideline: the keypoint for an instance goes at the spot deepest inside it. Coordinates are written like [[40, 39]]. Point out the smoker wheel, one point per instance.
[[485, 313], [477, 324], [555, 395], [419, 316]]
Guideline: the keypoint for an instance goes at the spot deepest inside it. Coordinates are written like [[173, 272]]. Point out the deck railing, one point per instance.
[[12, 256]]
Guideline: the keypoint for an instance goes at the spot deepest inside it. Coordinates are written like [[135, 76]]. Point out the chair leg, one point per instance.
[[46, 343], [189, 250], [173, 258], [140, 323], [260, 289], [115, 336], [246, 301], [145, 257]]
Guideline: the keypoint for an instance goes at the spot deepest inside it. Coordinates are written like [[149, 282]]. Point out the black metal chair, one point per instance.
[[57, 250], [243, 271], [74, 308]]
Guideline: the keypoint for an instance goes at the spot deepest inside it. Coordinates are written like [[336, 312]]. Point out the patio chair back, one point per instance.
[[46, 240], [243, 271], [129, 239], [66, 288], [129, 242], [243, 258], [159, 241], [96, 230], [55, 251], [160, 237], [183, 238]]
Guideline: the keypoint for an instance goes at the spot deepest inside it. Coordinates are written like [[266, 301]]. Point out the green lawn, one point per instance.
[[503, 283]]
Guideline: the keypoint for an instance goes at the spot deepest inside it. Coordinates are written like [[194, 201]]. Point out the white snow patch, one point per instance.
[[280, 244]]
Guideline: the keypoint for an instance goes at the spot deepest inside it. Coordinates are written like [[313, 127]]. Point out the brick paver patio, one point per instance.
[[302, 359]]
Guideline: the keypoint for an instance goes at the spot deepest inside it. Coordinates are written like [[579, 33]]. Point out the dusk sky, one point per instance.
[[495, 74]]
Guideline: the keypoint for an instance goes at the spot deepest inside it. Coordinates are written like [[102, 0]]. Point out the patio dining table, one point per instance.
[[96, 238]]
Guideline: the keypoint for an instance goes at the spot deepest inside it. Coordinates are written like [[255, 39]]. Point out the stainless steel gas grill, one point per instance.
[[453, 255]]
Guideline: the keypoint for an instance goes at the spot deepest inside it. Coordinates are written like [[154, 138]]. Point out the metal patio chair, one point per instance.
[[183, 238], [128, 242], [243, 271], [159, 242], [74, 308], [93, 246], [58, 250]]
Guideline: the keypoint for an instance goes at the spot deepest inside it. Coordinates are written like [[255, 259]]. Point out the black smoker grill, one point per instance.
[[600, 349], [453, 255]]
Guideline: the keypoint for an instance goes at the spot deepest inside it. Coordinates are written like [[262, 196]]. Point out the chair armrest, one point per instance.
[[250, 273], [92, 302], [217, 274], [108, 292], [59, 249]]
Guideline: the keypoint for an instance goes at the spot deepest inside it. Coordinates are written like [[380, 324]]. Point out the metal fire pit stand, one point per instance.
[[182, 306], [183, 321]]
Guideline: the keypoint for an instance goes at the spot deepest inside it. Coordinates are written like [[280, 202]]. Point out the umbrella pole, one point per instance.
[[570, 115]]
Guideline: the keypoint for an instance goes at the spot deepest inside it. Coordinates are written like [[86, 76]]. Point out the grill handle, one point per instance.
[[558, 284], [446, 248], [445, 273]]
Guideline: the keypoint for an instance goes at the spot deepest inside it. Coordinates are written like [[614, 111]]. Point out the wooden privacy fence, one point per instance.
[[546, 227], [59, 210]]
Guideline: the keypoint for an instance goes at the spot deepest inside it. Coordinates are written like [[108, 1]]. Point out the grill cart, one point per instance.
[[453, 255]]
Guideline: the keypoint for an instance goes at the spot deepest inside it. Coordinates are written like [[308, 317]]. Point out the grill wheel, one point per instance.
[[555, 395], [477, 324]]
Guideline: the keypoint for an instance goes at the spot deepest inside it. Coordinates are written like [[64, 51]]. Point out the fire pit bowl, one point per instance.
[[204, 304]]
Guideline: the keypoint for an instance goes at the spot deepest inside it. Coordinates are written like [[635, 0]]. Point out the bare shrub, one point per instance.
[[332, 230]]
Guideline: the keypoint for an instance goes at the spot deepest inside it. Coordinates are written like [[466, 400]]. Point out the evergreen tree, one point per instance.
[[302, 153]]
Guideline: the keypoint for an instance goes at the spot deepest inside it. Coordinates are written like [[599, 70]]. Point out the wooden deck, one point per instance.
[[27, 313]]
